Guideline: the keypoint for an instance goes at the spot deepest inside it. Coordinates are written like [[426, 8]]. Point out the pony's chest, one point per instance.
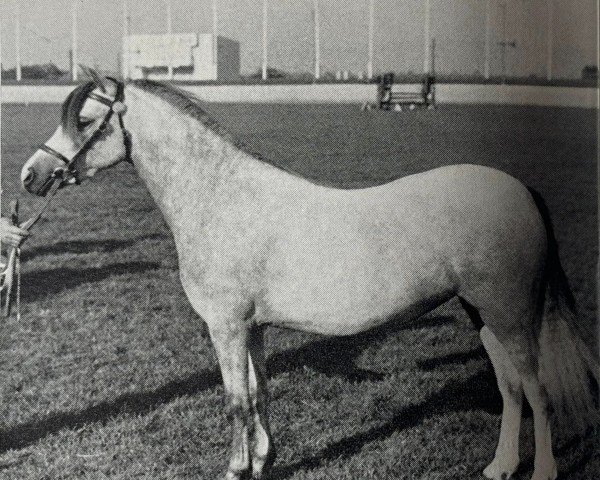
[[220, 259]]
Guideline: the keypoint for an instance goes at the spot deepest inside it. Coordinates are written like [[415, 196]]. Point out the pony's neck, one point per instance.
[[184, 164]]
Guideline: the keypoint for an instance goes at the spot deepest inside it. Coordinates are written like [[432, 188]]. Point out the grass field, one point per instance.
[[110, 374]]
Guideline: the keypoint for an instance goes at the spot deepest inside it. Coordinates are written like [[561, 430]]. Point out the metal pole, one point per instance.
[[170, 37], [18, 42], [433, 56], [317, 41], [215, 34], [371, 36], [126, 33], [265, 39], [427, 32], [74, 46], [503, 43], [169, 18], [550, 39], [1, 71], [488, 15]]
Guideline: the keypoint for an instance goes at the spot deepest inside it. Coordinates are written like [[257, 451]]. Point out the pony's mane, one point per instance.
[[190, 105], [71, 108]]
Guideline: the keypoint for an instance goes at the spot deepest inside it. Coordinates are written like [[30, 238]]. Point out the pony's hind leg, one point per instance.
[[263, 451], [522, 349], [506, 459], [544, 463], [510, 335]]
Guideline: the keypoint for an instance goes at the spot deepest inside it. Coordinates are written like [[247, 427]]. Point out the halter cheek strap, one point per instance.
[[99, 98], [117, 106], [51, 151]]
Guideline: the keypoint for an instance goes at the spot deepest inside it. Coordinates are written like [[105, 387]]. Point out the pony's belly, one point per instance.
[[340, 319], [346, 301]]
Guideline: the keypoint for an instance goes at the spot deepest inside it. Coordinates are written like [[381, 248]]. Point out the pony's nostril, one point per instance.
[[28, 178]]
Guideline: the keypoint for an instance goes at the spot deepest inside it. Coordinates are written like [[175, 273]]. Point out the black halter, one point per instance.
[[69, 162]]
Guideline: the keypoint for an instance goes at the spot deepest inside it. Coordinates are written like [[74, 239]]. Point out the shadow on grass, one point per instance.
[[459, 358], [47, 282], [332, 356], [478, 392], [586, 450], [86, 246]]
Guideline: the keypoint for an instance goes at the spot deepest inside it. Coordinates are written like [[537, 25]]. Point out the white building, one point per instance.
[[190, 56]]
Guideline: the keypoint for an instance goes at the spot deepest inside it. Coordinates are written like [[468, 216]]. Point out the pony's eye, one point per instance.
[[85, 122]]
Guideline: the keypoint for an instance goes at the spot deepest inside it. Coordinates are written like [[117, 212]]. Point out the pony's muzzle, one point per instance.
[[35, 183], [39, 173], [28, 178]]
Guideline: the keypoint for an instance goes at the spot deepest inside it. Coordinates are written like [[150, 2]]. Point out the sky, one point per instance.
[[457, 25]]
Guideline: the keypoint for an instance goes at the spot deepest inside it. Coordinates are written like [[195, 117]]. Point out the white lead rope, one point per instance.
[[18, 272]]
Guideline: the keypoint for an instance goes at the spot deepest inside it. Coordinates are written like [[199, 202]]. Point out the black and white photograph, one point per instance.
[[299, 240]]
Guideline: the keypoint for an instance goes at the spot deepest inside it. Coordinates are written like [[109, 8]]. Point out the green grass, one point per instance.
[[110, 374]]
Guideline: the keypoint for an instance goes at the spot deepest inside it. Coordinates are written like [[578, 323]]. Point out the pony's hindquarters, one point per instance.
[[566, 364], [529, 335]]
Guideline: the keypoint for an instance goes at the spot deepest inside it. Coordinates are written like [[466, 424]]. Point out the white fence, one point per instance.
[[346, 93]]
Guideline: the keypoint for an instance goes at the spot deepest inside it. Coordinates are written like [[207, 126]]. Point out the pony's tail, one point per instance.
[[567, 366]]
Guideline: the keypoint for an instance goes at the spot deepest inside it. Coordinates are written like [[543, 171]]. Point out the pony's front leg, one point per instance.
[[263, 451], [229, 336]]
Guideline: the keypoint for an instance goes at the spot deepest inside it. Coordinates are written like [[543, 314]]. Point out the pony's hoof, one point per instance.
[[235, 475], [261, 465], [258, 468], [546, 472], [501, 470]]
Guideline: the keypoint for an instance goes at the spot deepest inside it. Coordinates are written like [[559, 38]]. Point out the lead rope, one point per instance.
[[18, 269], [17, 251]]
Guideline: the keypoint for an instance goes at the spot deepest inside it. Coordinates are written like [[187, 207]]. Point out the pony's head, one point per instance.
[[91, 137]]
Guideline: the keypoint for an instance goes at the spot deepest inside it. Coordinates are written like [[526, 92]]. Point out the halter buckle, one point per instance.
[[119, 108]]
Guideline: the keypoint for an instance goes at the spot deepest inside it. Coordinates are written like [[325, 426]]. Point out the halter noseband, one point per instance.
[[117, 106]]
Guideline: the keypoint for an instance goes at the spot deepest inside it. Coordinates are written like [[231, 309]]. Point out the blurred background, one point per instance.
[[484, 40]]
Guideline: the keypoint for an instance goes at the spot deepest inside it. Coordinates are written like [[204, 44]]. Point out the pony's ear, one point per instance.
[[84, 69], [95, 76]]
